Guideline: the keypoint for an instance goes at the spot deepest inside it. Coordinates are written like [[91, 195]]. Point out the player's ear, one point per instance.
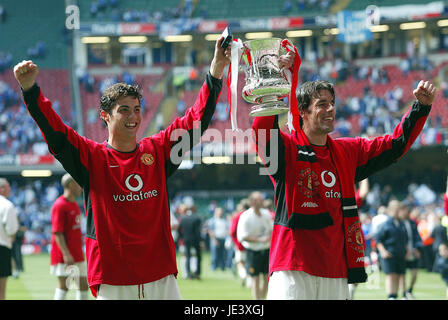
[[105, 116]]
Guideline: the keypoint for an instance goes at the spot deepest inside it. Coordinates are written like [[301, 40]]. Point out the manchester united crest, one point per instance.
[[355, 238], [308, 183], [147, 159]]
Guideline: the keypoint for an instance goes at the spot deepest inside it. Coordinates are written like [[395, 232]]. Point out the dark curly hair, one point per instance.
[[114, 92]]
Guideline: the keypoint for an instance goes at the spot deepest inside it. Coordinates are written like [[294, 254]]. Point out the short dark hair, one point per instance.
[[117, 91], [310, 90]]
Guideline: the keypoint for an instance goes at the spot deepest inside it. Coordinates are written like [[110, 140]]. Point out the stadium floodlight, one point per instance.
[[379, 28], [36, 173], [412, 25], [258, 35], [212, 36], [299, 33], [95, 39], [216, 160], [179, 38], [333, 31], [132, 39], [442, 23]]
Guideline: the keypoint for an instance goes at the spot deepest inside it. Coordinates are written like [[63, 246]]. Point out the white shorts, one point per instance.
[[62, 270], [299, 285], [163, 289], [240, 256]]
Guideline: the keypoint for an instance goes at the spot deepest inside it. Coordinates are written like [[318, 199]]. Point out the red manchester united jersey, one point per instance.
[[66, 219], [128, 229], [314, 243]]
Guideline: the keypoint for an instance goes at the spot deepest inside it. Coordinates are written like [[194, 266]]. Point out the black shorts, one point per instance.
[[257, 262], [394, 265], [412, 264], [5, 262]]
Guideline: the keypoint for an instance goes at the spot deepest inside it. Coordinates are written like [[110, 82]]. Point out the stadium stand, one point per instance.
[[40, 36], [149, 11], [372, 93]]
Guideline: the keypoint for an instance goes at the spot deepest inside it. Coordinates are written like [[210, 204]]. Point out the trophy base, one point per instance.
[[269, 109]]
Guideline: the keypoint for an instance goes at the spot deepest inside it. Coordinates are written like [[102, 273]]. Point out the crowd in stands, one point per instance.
[[5, 61], [18, 132], [113, 10], [302, 5], [367, 113]]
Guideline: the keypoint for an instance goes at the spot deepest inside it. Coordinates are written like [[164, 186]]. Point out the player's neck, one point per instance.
[[122, 145], [69, 196], [318, 139]]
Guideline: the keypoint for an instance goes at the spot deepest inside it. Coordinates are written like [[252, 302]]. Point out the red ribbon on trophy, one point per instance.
[[293, 116]]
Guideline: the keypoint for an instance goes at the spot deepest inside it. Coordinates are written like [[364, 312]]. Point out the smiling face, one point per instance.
[[319, 117], [124, 119]]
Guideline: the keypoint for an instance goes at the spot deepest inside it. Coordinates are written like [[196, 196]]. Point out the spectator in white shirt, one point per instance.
[[9, 225], [254, 231]]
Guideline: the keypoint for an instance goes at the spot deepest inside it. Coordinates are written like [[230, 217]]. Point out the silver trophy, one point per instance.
[[266, 83]]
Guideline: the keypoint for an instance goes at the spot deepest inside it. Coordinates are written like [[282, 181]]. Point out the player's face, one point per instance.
[[321, 113], [125, 117]]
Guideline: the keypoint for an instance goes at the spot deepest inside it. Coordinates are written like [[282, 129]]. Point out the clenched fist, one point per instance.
[[425, 92], [26, 72]]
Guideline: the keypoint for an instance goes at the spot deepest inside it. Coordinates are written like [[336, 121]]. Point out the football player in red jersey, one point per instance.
[[317, 245], [66, 255], [130, 252]]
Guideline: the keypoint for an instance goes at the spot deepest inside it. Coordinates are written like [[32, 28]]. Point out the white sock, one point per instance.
[[82, 295], [351, 290], [60, 294], [242, 272]]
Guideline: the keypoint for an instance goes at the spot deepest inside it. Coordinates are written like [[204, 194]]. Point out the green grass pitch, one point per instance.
[[36, 283]]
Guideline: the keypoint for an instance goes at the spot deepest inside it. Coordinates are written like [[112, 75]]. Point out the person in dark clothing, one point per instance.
[[190, 232], [439, 234], [415, 246], [392, 244]]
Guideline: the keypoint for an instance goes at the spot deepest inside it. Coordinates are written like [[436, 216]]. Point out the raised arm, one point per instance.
[[63, 142], [269, 143], [186, 131], [380, 152]]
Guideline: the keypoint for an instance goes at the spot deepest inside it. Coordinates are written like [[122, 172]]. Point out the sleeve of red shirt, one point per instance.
[[263, 130], [380, 152], [186, 131], [67, 146]]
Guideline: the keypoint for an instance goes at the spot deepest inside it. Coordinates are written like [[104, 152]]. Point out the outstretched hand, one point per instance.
[[425, 92], [221, 58], [26, 72]]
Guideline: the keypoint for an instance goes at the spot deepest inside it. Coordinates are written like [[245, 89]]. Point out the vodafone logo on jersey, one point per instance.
[[134, 183], [329, 180], [139, 181]]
